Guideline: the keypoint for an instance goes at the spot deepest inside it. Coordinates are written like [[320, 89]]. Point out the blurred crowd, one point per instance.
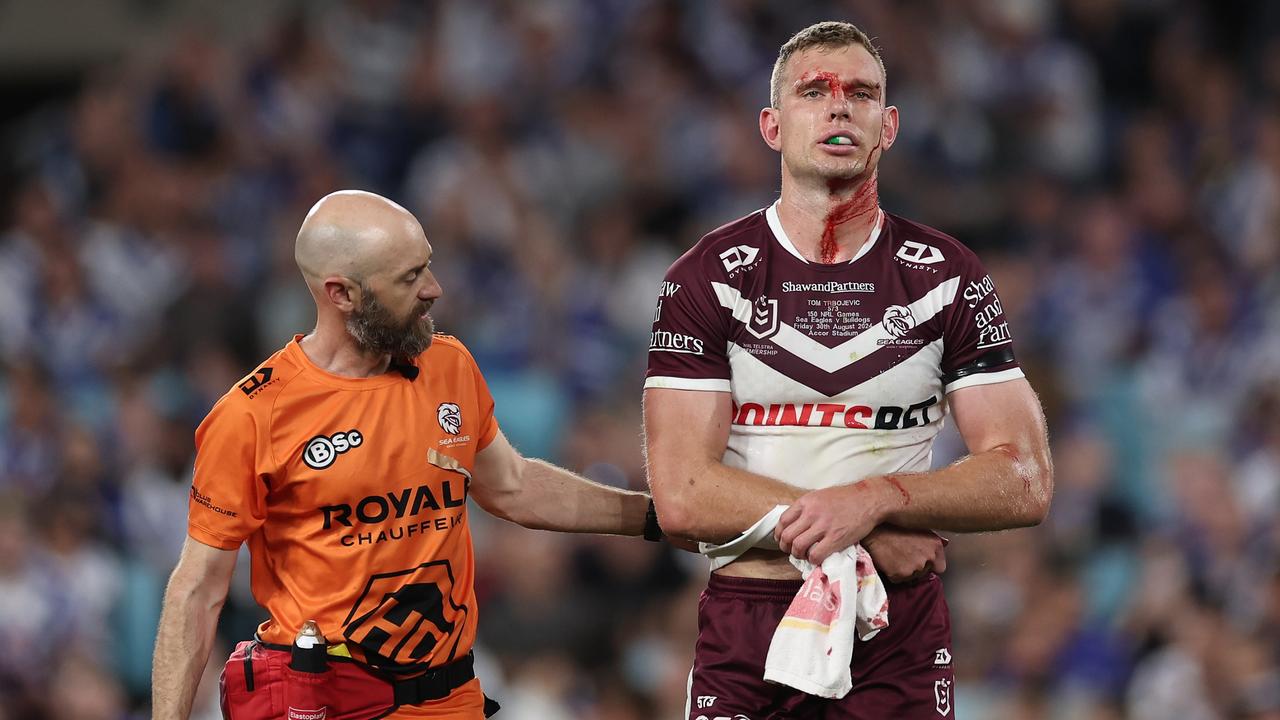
[[1115, 162]]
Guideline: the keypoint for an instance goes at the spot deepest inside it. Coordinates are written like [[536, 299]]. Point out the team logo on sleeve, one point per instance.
[[942, 696], [321, 451], [449, 415]]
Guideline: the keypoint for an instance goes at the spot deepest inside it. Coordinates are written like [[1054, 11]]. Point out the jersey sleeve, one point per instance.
[[487, 427], [977, 345], [688, 348], [484, 402], [229, 490]]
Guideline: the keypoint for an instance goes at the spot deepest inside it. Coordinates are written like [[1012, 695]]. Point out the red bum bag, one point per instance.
[[258, 684]]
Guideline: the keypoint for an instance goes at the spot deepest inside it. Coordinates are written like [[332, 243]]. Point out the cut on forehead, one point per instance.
[[356, 234], [849, 66], [822, 37]]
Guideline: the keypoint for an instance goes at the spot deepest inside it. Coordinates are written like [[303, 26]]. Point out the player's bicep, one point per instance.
[[989, 416], [684, 430]]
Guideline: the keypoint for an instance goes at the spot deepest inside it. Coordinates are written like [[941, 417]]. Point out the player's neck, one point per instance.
[[829, 222], [337, 354]]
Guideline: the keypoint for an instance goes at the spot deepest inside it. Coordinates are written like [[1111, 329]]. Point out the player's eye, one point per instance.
[[413, 275], [811, 93]]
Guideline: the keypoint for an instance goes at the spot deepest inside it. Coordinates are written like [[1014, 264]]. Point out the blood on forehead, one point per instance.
[[838, 87]]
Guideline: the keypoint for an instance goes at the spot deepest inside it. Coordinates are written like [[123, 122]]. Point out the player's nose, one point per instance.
[[838, 106]]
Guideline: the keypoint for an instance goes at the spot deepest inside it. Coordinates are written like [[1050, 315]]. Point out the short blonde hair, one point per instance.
[[831, 34]]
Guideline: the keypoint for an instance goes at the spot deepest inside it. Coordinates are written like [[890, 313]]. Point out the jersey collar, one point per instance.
[[775, 224]]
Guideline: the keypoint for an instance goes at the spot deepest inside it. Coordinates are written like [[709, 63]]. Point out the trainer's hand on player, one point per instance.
[[901, 555], [826, 521]]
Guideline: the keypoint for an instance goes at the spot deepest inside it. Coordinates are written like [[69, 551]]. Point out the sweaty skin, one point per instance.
[[866, 199]]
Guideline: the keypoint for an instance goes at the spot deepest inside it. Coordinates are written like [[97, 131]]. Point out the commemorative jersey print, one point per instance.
[[829, 364]]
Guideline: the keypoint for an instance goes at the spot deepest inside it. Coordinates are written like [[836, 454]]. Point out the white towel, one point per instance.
[[812, 647], [758, 535]]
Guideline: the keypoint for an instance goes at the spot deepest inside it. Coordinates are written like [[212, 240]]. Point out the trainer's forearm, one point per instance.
[[183, 643], [552, 498], [998, 489]]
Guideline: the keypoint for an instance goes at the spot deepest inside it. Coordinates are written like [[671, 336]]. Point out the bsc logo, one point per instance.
[[321, 451], [449, 415]]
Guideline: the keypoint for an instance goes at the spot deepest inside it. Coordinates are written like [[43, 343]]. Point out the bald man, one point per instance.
[[345, 461]]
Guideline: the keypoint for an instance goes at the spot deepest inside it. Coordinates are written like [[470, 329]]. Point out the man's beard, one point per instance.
[[377, 332]]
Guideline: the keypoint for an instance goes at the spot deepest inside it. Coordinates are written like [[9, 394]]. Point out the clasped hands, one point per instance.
[[829, 520]]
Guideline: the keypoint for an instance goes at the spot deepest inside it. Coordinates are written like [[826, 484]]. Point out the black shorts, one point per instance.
[[904, 672]]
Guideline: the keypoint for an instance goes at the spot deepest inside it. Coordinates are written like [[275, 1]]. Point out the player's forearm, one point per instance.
[[999, 489], [183, 643], [710, 501], [552, 498]]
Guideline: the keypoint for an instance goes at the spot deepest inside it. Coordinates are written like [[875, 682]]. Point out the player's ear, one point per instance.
[[342, 293], [770, 129], [889, 132]]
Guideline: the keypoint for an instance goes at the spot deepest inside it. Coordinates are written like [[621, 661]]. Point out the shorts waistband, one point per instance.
[[719, 584]]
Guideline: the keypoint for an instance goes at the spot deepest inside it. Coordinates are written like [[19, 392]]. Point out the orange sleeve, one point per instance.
[[484, 403], [228, 500]]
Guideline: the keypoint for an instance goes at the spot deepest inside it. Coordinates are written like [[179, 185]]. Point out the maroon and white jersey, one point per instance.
[[838, 372]]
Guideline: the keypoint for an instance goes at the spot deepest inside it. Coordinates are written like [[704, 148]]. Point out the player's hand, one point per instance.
[[827, 521], [902, 555]]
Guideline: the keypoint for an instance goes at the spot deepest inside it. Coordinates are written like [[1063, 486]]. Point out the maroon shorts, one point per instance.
[[904, 672]]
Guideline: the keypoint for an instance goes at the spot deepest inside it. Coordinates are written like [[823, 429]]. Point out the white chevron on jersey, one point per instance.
[[834, 455], [831, 359]]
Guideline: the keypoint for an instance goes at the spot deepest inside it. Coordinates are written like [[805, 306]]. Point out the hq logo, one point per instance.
[[322, 450]]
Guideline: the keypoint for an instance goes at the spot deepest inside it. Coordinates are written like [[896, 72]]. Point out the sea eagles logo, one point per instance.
[[898, 321], [449, 415]]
